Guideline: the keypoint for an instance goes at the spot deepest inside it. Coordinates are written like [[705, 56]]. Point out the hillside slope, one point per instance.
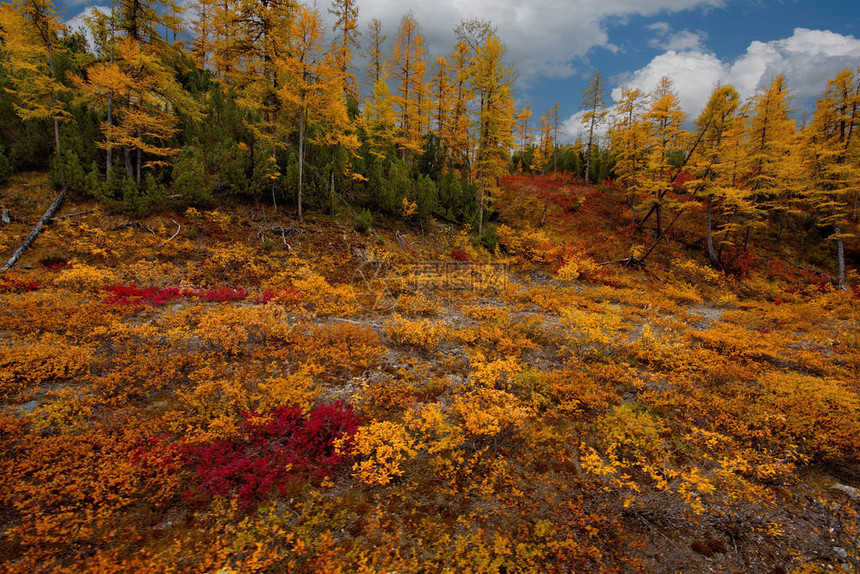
[[232, 391]]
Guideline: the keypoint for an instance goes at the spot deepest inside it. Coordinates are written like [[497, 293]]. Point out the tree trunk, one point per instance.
[[481, 210], [711, 252], [659, 210], [109, 155], [747, 239], [49, 214], [129, 168], [633, 207], [137, 172], [301, 160], [840, 254], [545, 209], [589, 149], [331, 190], [274, 201]]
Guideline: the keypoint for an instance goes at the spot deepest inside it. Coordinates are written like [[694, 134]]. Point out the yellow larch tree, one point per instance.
[[305, 85], [375, 59], [346, 40], [629, 140], [151, 98], [30, 40], [378, 119], [492, 82], [524, 134], [458, 134], [834, 158], [663, 121], [545, 149], [203, 28], [258, 40], [711, 165], [771, 155], [407, 70], [594, 105]]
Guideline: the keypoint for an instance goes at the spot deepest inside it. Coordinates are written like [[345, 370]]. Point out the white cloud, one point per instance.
[[544, 37], [662, 28], [694, 74], [807, 59], [683, 40]]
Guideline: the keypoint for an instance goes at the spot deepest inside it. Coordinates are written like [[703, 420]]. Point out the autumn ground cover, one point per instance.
[[186, 393]]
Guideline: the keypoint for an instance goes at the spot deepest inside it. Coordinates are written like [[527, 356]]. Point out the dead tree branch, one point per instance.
[[31, 237]]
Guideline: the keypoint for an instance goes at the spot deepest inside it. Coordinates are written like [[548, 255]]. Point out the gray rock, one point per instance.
[[30, 407], [848, 491]]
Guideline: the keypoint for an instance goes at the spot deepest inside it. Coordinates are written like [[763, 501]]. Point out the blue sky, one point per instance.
[[557, 45]]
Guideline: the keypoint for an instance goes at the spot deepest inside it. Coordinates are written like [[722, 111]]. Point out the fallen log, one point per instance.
[[31, 237]]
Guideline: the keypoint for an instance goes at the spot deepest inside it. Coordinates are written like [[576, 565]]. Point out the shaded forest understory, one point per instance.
[[239, 391]]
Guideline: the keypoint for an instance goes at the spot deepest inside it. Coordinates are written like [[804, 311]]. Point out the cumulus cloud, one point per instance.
[[544, 37], [807, 59]]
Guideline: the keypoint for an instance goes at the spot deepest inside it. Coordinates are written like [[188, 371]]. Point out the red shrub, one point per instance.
[[18, 286], [738, 262], [274, 451], [134, 295], [460, 255], [220, 294]]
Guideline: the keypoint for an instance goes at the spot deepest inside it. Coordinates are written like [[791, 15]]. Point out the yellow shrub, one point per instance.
[[385, 446], [231, 328], [294, 389], [488, 412], [530, 244], [437, 431], [491, 374], [33, 363], [693, 272], [423, 335], [418, 304], [591, 334], [325, 298], [83, 277], [577, 266], [683, 292]]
